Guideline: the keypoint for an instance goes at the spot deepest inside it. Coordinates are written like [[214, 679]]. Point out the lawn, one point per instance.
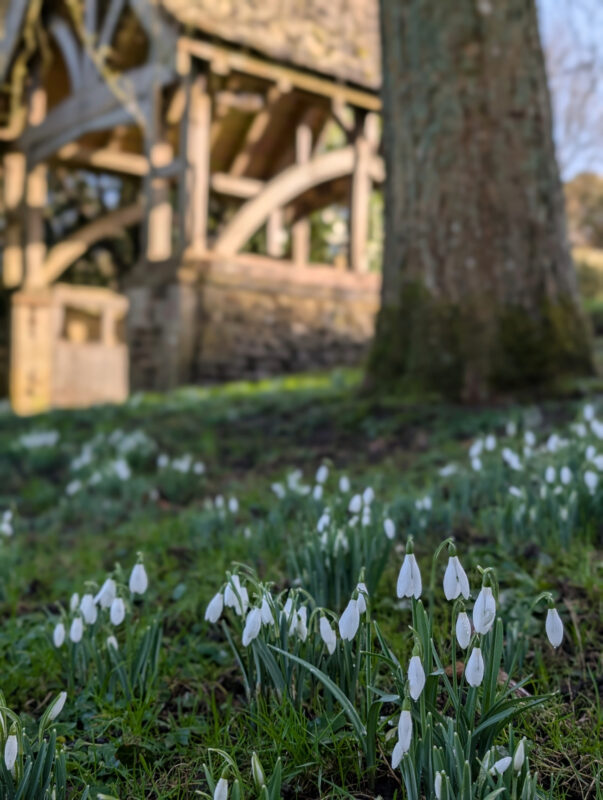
[[279, 649]]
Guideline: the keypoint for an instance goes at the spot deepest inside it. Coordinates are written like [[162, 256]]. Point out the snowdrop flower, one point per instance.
[[520, 756], [597, 428], [221, 790], [484, 610], [139, 581], [448, 470], [300, 623], [219, 501], [198, 468], [463, 630], [122, 469], [591, 479], [389, 528], [474, 671], [404, 731], [553, 443], [322, 473], [416, 677], [476, 464], [455, 580], [554, 627], [368, 496], [511, 459], [6, 528], [349, 621], [565, 475], [511, 428], [236, 596], [76, 631], [266, 612], [58, 635], [214, 609], [112, 642], [501, 765], [344, 484], [588, 412], [328, 635], [107, 593], [279, 490], [580, 429], [476, 448], [163, 460], [317, 492], [437, 785], [233, 505], [550, 474], [355, 504], [490, 442], [598, 462], [73, 487], [529, 438], [362, 595], [117, 613], [88, 609], [409, 578], [57, 706], [253, 623], [11, 749], [515, 491]]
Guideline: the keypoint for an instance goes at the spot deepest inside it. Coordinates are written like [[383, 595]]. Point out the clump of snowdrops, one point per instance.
[[454, 733]]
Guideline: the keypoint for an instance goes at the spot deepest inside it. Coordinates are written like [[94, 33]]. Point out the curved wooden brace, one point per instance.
[[285, 187], [69, 50], [63, 254]]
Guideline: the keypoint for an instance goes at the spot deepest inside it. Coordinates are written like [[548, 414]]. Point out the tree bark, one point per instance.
[[479, 291]]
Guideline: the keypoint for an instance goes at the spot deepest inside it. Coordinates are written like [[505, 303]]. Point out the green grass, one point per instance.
[[249, 436]]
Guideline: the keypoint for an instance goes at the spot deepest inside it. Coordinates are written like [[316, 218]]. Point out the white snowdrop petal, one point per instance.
[[474, 671], [11, 749], [57, 706], [253, 623], [416, 677], [554, 627], [58, 635], [214, 609], [76, 631], [221, 790], [117, 613], [463, 630], [405, 730], [139, 581], [349, 621]]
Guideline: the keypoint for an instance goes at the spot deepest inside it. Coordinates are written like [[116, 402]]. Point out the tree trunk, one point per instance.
[[479, 291]]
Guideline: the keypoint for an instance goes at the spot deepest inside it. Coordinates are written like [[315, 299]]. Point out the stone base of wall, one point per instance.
[[248, 317]]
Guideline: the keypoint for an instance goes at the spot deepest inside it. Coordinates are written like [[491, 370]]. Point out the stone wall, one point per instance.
[[248, 317]]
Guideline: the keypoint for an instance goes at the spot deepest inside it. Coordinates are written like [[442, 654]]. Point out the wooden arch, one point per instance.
[[63, 254], [284, 188]]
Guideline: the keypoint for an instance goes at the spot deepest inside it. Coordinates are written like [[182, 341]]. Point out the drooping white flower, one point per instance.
[[279, 490], [389, 528], [139, 581], [214, 609], [355, 504], [322, 473], [266, 612], [74, 602], [565, 475], [476, 464], [57, 706], [513, 490], [405, 730], [550, 474], [490, 442], [463, 630], [236, 596], [501, 765], [349, 621], [106, 594], [221, 790], [301, 623], [317, 492], [511, 428], [233, 505], [368, 495], [448, 470], [455, 580], [520, 756], [11, 750], [397, 754], [484, 610], [88, 609], [437, 785], [344, 484], [112, 642], [474, 671], [253, 623], [554, 627], [409, 579], [117, 613], [362, 595], [529, 438], [58, 635], [328, 635], [416, 677], [588, 412], [591, 479], [76, 631], [476, 448]]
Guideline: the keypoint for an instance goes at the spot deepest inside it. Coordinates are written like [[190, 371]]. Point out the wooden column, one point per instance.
[[198, 122], [301, 230], [364, 146], [36, 196], [14, 193], [159, 225], [275, 234]]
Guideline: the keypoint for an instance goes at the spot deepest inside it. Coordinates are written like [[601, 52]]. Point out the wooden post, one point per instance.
[[36, 191], [364, 148], [275, 234], [301, 230], [159, 231], [198, 122], [14, 192]]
